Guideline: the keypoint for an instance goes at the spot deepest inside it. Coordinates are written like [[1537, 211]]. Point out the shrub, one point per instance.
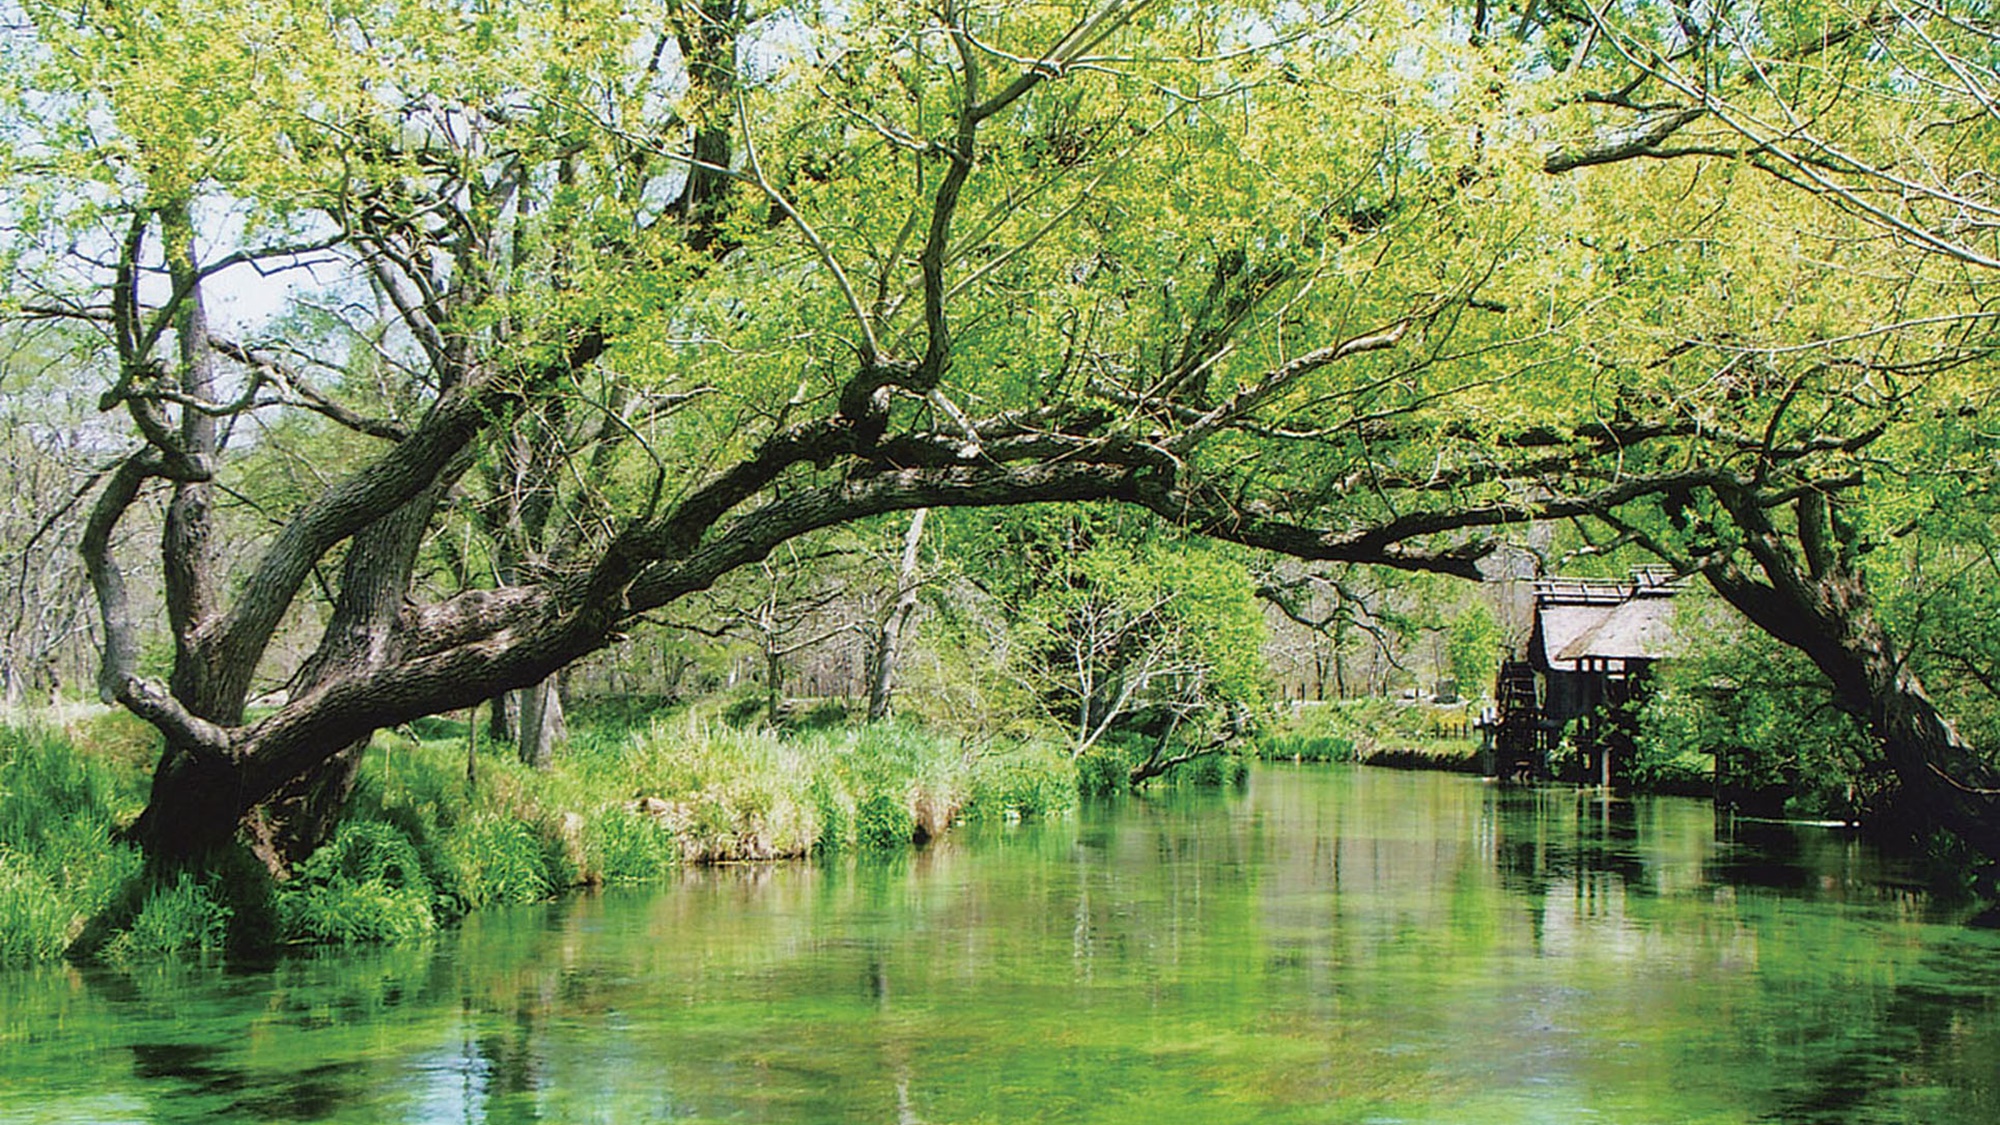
[[1104, 769], [827, 714], [745, 709]]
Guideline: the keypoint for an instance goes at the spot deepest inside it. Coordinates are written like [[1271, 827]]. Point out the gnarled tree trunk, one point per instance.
[[1814, 598]]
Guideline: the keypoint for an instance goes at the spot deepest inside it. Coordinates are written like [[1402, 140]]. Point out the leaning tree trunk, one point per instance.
[[1816, 600], [375, 579]]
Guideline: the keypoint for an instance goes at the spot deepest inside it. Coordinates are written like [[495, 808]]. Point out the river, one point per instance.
[[1330, 944]]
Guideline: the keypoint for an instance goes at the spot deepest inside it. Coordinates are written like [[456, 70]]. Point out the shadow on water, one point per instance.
[[199, 1073], [1887, 1066]]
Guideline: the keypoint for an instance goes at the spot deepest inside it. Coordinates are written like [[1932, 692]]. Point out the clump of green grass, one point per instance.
[[1209, 770], [883, 821], [1105, 769], [627, 845], [183, 913], [59, 867], [1306, 748], [420, 845], [367, 884], [1023, 782]]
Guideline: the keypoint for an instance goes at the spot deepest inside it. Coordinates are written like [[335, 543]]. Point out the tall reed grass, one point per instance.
[[420, 846], [58, 866]]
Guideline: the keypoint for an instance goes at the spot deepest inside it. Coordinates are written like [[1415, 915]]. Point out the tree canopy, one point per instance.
[[1371, 284]]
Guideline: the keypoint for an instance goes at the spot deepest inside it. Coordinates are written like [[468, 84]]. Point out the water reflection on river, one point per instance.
[[1332, 945]]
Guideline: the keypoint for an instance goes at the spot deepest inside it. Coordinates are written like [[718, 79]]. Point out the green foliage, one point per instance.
[[621, 845], [419, 847], [366, 884], [827, 714], [1209, 771], [1113, 623], [51, 797], [746, 709], [58, 865], [1028, 782], [183, 913], [1105, 769], [835, 808], [1473, 648], [501, 860], [1293, 747], [1765, 719], [37, 921], [883, 821]]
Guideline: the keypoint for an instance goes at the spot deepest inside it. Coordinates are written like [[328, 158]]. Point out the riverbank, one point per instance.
[[422, 844]]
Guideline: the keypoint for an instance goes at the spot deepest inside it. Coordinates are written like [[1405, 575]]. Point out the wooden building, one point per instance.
[[1590, 654]]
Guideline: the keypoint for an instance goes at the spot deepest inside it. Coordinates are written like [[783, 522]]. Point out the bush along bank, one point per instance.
[[420, 847]]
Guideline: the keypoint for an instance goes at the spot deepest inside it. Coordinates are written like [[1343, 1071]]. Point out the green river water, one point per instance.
[[1328, 945]]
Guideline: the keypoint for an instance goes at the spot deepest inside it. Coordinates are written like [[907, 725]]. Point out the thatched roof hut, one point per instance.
[[1586, 629]]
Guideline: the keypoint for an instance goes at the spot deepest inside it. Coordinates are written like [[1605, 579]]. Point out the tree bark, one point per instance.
[[543, 727], [1814, 598], [1945, 782], [889, 631]]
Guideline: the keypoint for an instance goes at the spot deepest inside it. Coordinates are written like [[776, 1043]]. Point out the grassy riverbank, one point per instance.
[[421, 845], [1375, 732]]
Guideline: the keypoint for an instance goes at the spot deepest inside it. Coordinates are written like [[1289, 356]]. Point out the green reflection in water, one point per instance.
[[1334, 945]]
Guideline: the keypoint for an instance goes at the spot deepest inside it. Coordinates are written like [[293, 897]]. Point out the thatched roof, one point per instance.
[[1579, 619], [1640, 629], [1559, 626]]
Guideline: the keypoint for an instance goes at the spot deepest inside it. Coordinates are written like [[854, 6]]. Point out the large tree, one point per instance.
[[1304, 277], [1826, 408]]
